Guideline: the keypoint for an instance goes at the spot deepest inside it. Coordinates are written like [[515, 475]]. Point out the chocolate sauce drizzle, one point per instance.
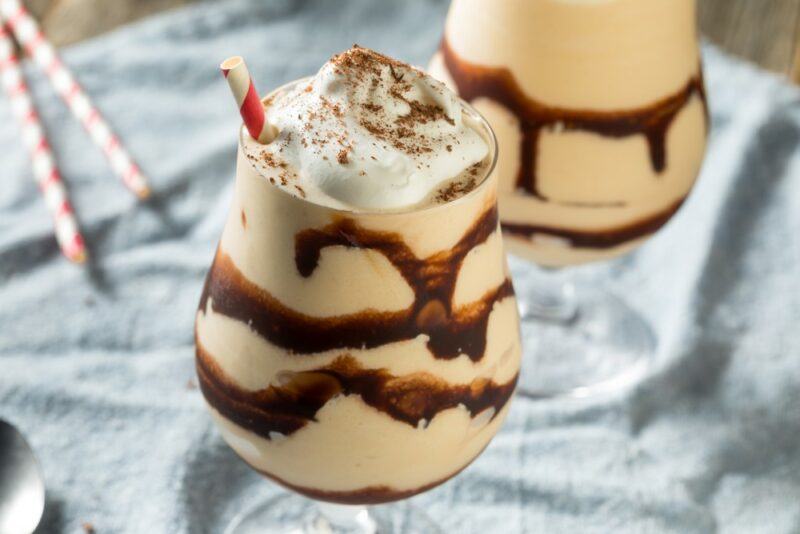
[[368, 495], [413, 399], [450, 332], [598, 239], [498, 84]]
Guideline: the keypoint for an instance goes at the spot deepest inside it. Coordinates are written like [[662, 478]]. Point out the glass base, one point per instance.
[[593, 343], [293, 514]]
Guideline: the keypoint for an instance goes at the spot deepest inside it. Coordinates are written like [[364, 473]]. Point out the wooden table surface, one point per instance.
[[762, 31]]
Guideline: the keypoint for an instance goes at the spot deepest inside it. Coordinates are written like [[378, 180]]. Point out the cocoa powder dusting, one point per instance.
[[359, 66], [271, 160], [394, 114], [455, 189]]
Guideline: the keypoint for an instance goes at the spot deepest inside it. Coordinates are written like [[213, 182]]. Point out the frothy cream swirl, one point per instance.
[[368, 132]]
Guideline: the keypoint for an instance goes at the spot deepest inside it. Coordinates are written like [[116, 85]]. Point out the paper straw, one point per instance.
[[27, 32], [44, 169], [244, 91]]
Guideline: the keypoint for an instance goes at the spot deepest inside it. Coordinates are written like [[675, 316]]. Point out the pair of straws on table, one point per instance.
[[15, 18]]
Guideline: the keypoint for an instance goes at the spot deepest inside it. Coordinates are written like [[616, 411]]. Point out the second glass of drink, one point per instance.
[[600, 114]]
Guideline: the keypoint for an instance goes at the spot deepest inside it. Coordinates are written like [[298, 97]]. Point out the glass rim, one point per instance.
[[407, 210]]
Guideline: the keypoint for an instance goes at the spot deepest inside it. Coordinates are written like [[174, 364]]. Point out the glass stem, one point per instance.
[[344, 518], [550, 297]]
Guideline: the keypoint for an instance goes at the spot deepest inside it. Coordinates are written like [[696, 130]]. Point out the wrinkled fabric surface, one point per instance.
[[96, 364]]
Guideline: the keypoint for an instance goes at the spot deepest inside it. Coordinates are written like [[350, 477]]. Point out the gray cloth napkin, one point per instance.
[[96, 365]]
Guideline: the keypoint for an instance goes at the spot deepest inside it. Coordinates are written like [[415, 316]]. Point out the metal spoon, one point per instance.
[[21, 483]]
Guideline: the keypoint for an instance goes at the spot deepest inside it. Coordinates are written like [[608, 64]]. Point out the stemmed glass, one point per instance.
[[600, 113], [356, 358]]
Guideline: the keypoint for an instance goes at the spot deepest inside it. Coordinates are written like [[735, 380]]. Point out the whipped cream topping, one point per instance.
[[368, 132]]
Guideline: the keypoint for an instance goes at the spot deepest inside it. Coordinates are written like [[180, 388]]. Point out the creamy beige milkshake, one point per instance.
[[357, 337], [599, 110]]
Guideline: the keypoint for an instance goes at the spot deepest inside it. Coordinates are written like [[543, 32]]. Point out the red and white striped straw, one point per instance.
[[244, 91], [27, 32], [44, 169]]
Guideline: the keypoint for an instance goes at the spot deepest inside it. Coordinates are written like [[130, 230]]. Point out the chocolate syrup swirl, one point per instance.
[[450, 331], [498, 84], [598, 239], [413, 399]]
